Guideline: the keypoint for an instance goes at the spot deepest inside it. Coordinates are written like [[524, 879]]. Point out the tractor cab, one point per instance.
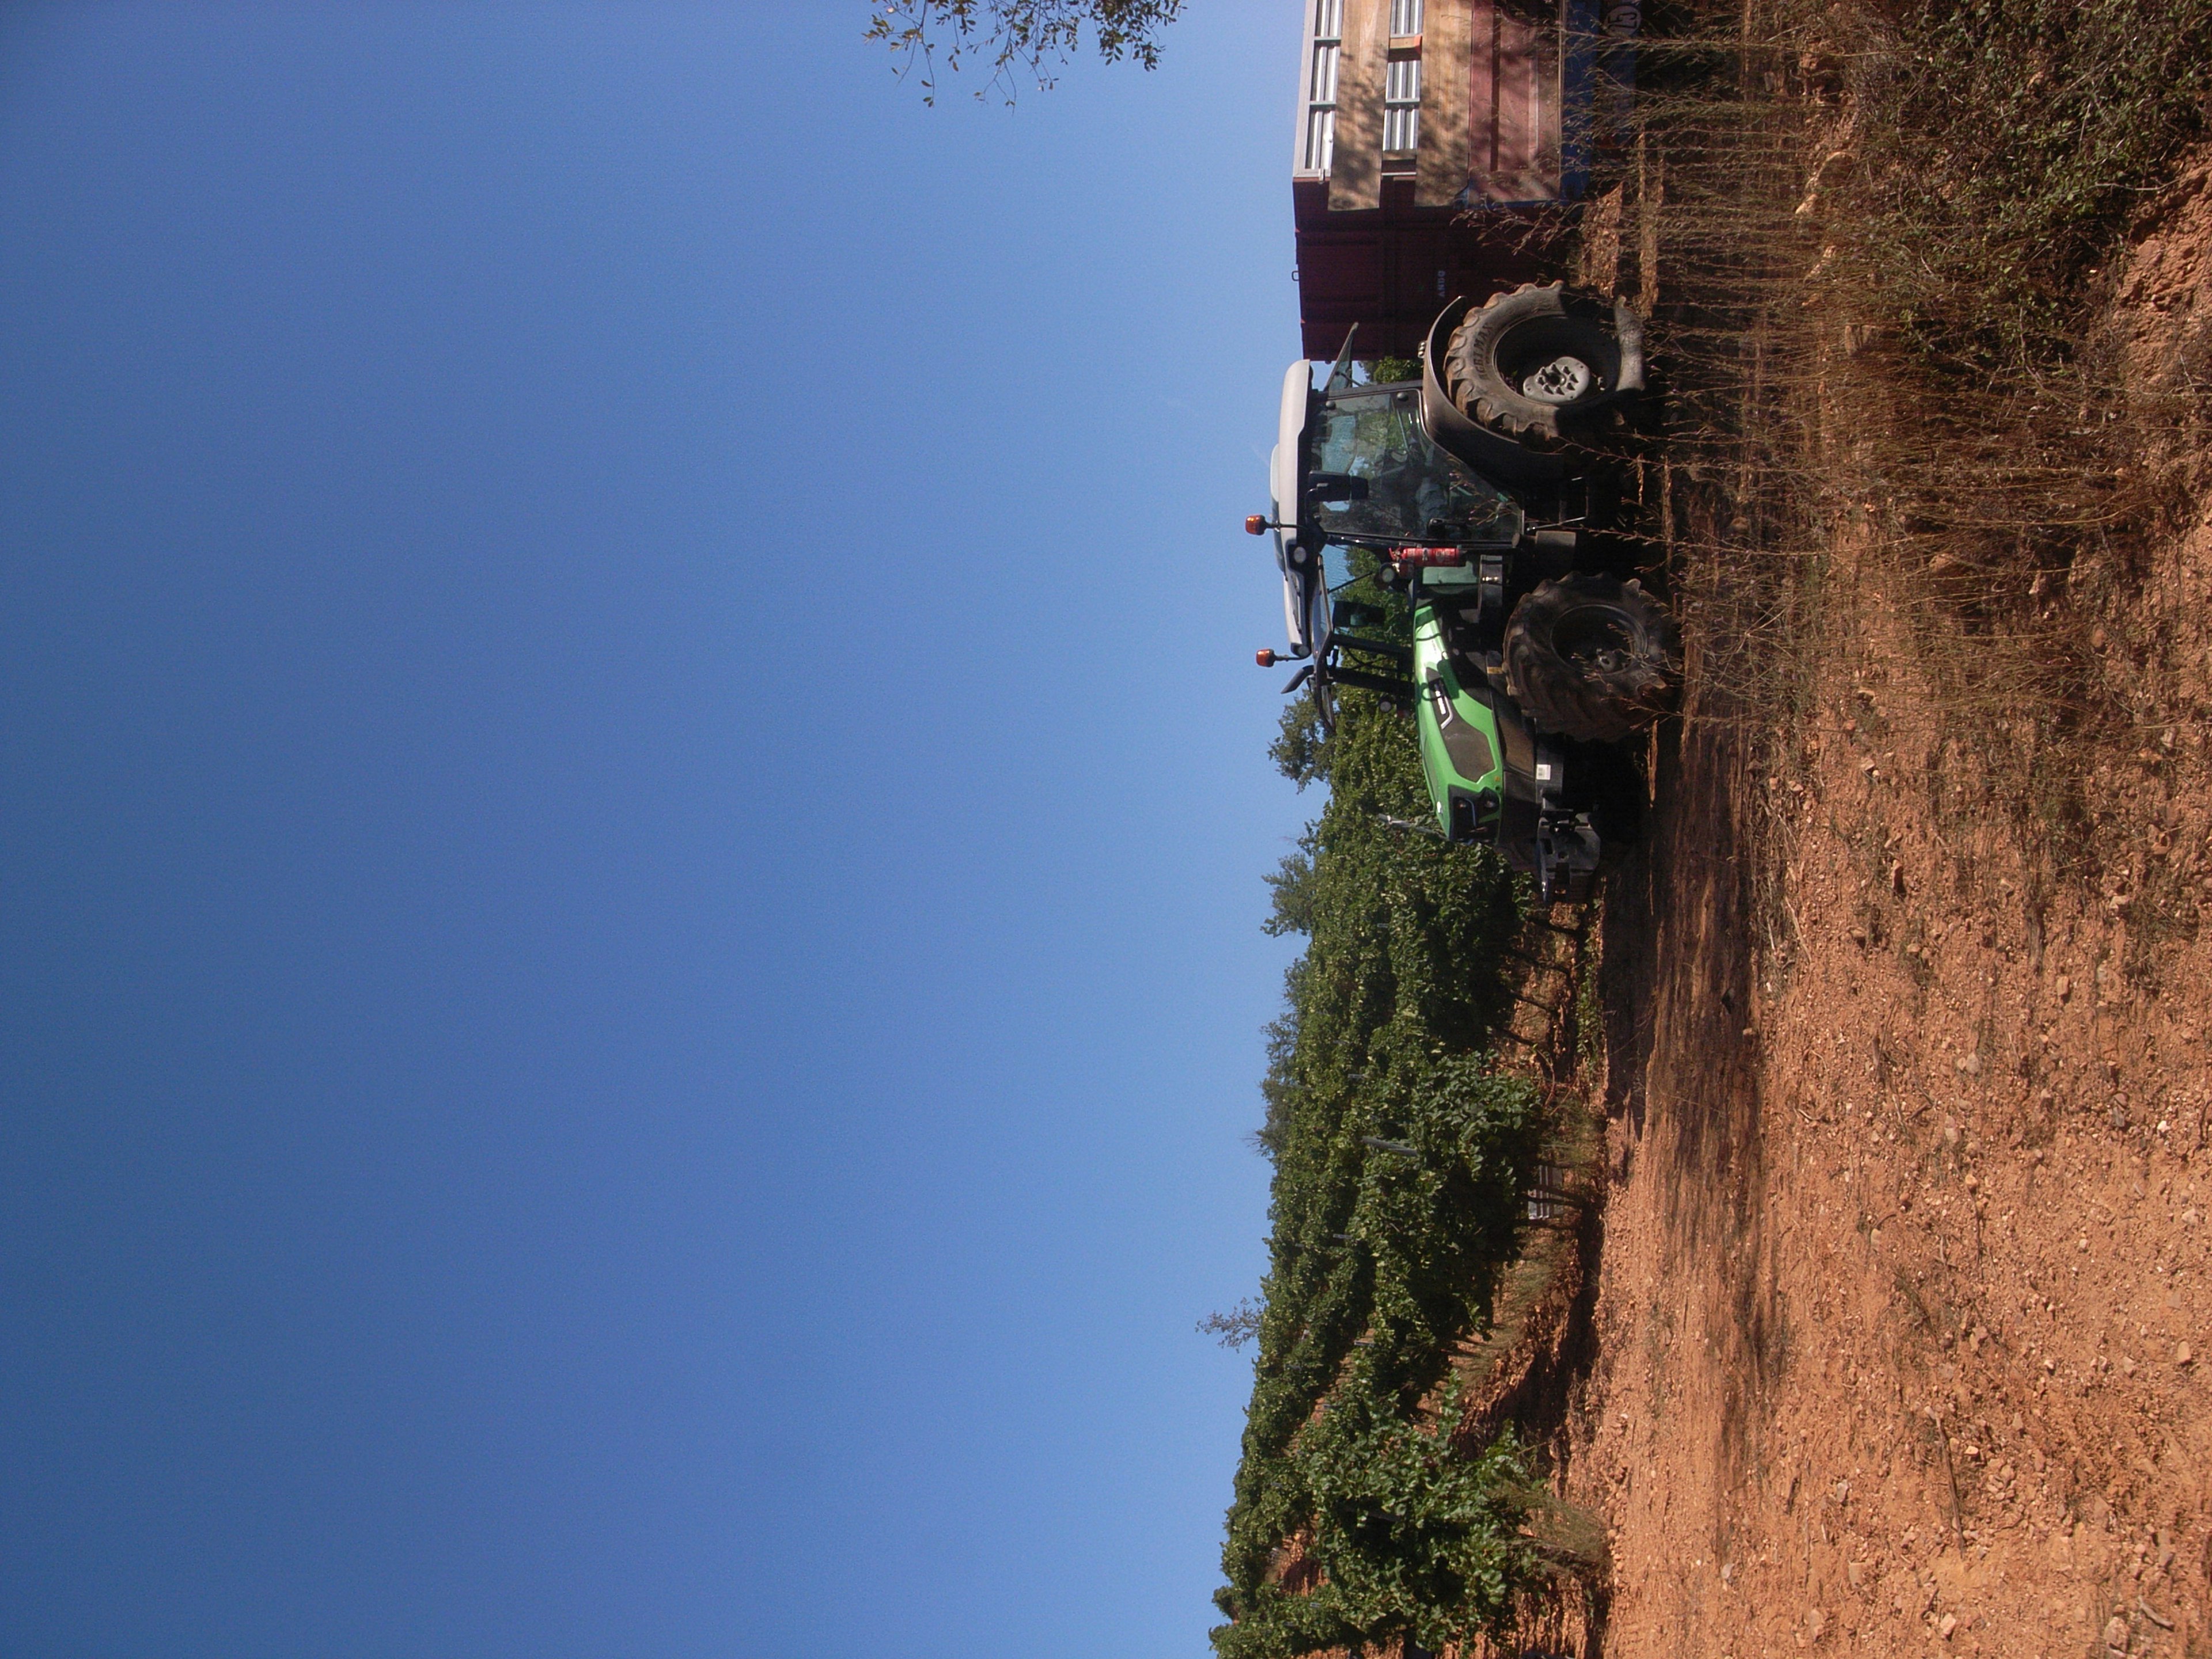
[[1373, 477], [1482, 494], [1355, 466]]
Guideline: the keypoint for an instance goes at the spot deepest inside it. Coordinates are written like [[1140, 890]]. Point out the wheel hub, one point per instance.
[[1595, 640], [1561, 381]]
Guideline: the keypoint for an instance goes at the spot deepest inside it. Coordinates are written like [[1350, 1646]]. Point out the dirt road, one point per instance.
[[1904, 1319]]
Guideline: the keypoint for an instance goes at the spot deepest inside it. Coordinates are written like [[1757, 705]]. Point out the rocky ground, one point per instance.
[[1900, 1325]]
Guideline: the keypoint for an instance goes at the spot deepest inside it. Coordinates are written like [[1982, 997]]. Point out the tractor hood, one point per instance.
[[1302, 613]]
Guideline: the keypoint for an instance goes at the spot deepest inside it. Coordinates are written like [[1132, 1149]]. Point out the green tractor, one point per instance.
[[1484, 493]]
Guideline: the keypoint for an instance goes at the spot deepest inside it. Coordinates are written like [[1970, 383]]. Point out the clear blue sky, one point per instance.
[[632, 805]]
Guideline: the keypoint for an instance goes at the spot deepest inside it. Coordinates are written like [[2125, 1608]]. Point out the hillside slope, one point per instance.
[[1902, 1319]]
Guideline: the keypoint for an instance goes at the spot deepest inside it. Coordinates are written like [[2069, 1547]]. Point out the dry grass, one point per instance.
[[1869, 348]]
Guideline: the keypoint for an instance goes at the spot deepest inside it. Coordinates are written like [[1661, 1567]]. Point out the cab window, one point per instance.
[[1415, 493]]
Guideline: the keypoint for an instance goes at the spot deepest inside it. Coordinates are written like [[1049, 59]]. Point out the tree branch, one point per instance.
[[1021, 40]]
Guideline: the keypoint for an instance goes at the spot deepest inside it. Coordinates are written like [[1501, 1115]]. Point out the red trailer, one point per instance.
[[1442, 147]]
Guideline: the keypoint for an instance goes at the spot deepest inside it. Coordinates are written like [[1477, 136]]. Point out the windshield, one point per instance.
[[1416, 494]]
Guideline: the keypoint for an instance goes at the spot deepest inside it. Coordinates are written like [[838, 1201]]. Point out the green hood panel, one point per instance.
[[1459, 735]]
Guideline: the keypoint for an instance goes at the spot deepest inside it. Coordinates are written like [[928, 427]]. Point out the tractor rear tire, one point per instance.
[[1533, 364], [1592, 659]]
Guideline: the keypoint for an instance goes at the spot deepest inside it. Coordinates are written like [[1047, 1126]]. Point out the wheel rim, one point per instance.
[[1561, 381], [1596, 641]]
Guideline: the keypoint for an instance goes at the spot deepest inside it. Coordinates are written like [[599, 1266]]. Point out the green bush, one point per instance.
[[1402, 1155], [1408, 1535], [2003, 145]]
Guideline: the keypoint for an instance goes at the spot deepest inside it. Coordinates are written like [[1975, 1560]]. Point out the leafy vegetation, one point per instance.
[[1409, 1535], [2003, 145], [1401, 1154]]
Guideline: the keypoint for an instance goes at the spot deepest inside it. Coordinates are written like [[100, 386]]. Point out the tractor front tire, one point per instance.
[[1592, 659], [1533, 365]]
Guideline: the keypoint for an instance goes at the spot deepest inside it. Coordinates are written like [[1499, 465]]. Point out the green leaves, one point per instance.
[[1411, 1535], [2005, 143], [1407, 1535], [1291, 911], [1301, 752], [1381, 1256]]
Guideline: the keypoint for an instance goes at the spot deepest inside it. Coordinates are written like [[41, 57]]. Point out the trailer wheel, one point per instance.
[[1530, 364], [1591, 658]]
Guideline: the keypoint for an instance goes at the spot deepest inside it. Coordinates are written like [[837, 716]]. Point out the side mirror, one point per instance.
[[1336, 487]]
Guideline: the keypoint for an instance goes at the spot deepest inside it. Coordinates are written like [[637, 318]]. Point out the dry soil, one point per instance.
[[1902, 1325]]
